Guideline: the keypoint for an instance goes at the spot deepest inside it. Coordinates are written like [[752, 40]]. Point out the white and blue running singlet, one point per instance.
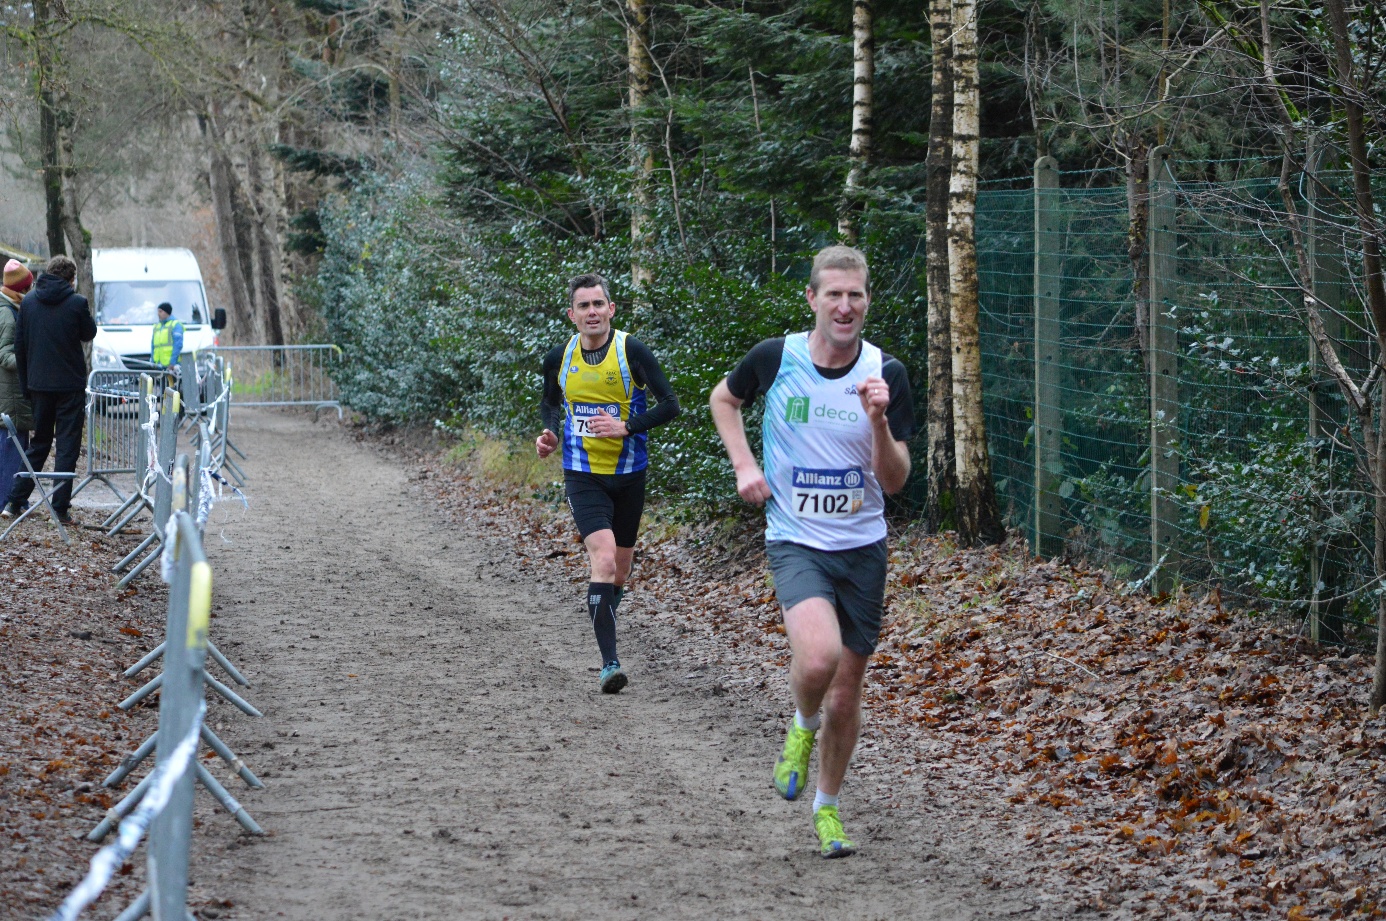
[[817, 444]]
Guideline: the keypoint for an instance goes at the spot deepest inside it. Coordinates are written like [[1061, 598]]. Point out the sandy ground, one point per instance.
[[434, 744]]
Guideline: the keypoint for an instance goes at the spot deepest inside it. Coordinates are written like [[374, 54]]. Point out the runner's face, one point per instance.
[[839, 306], [591, 312]]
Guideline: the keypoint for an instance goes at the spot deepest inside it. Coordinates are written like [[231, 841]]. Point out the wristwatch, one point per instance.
[[628, 431]]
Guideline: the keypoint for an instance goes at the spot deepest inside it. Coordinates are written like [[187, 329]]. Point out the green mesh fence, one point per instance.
[[1264, 499]]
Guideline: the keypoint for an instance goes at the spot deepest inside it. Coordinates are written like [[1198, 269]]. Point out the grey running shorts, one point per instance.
[[852, 581]]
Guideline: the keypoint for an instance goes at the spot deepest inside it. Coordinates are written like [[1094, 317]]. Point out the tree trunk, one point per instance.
[[1367, 220], [221, 182], [50, 153], [1138, 236], [978, 514], [265, 253], [79, 246], [941, 471], [640, 72], [863, 83]]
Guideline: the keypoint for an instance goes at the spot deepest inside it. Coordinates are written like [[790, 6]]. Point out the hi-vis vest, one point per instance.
[[817, 444], [162, 348], [592, 389]]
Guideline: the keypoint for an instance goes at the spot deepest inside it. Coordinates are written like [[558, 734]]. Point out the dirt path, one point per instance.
[[434, 744]]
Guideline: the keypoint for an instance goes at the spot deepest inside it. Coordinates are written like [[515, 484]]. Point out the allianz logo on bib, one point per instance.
[[828, 479], [594, 409], [797, 410]]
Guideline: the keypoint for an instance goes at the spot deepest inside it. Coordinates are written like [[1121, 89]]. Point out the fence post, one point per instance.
[[1048, 540], [1164, 366], [190, 596]]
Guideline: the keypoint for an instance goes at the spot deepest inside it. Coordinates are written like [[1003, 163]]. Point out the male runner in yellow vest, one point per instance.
[[597, 387]]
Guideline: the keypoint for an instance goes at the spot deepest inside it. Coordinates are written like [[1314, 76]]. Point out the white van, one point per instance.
[[130, 286]]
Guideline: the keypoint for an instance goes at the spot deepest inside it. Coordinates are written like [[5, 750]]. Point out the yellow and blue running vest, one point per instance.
[[589, 390]]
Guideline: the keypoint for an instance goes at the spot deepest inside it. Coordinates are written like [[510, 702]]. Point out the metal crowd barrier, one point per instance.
[[163, 801], [113, 428], [284, 375]]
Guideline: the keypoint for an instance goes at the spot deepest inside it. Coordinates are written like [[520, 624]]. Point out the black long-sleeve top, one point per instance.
[[644, 368]]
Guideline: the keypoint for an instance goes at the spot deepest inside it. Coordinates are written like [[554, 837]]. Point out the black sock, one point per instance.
[[602, 608], [619, 593]]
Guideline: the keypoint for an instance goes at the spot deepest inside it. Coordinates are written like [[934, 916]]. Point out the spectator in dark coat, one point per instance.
[[17, 282], [54, 321]]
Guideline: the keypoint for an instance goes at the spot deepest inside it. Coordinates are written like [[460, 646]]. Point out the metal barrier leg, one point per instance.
[[143, 564], [235, 699], [132, 761], [236, 472], [133, 554], [139, 504], [149, 659], [153, 685], [225, 663], [110, 519], [227, 755], [120, 810], [138, 908], [228, 802]]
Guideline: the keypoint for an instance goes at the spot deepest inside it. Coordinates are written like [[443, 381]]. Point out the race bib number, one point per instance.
[[584, 413], [827, 493]]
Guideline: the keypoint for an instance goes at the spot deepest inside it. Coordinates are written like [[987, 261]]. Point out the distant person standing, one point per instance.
[[17, 282], [167, 342], [54, 321]]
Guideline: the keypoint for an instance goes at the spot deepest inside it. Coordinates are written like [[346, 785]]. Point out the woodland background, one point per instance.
[[415, 180]]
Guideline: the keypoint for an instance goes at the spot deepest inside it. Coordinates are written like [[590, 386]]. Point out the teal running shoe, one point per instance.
[[791, 771], [832, 840], [612, 678]]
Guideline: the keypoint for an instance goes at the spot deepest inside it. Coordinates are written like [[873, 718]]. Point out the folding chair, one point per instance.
[[30, 474]]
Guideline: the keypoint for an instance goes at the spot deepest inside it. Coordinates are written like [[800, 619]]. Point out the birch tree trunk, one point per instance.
[[639, 73], [942, 473], [978, 515], [863, 84]]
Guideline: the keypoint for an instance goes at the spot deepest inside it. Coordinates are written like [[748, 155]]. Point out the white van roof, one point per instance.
[[144, 263]]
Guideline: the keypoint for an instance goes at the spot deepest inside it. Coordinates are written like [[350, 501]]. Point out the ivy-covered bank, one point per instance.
[[451, 334]]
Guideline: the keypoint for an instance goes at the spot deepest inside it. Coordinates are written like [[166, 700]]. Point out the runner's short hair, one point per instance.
[[845, 258], [589, 280], [63, 267]]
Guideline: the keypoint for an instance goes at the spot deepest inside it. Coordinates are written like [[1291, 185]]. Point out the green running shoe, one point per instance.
[[612, 678], [832, 840], [791, 771]]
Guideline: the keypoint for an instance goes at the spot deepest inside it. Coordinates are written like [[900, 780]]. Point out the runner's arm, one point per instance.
[[551, 406], [726, 414], [892, 424], [646, 370]]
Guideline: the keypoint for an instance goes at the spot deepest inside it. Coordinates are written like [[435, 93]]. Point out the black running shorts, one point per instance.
[[852, 581], [606, 500]]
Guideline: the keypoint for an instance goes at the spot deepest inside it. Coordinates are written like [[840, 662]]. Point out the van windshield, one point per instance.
[[130, 303]]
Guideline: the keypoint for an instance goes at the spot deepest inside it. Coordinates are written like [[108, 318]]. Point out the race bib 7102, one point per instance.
[[584, 413], [827, 493]]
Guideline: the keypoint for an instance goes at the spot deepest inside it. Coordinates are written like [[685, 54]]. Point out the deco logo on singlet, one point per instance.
[[797, 412]]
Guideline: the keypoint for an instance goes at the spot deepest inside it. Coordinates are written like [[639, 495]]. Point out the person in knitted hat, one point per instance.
[[18, 280]]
